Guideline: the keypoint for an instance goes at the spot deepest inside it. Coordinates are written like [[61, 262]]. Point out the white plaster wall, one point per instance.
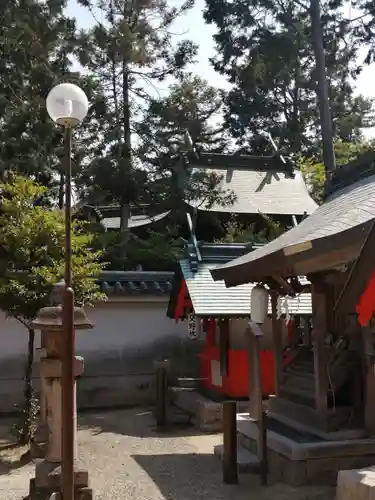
[[119, 353]]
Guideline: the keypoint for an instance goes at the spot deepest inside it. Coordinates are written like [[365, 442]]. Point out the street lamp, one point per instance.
[[67, 105]]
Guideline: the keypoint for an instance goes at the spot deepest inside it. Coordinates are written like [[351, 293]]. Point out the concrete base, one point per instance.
[[48, 493], [47, 481], [358, 484], [246, 461], [206, 413], [301, 459]]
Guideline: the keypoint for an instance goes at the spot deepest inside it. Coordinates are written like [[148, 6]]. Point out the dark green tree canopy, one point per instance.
[[264, 48]]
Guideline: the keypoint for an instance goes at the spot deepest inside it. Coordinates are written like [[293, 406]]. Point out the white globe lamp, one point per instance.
[[67, 105]]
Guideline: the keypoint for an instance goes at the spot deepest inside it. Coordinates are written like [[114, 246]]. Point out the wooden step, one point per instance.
[[304, 384]]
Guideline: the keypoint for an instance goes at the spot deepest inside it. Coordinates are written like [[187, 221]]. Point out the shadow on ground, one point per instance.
[[198, 476], [135, 422], [19, 459]]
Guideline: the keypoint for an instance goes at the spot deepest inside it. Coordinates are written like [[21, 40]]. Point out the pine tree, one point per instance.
[[191, 106], [36, 41], [265, 50], [129, 52]]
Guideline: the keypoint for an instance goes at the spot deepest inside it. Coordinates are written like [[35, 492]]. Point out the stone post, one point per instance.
[[47, 480], [38, 446]]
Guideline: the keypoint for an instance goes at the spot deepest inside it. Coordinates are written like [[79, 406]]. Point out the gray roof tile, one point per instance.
[[343, 210], [134, 221], [135, 282], [213, 298], [269, 192]]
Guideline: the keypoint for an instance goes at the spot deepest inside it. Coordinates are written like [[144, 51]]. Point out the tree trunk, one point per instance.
[[29, 417], [126, 161]]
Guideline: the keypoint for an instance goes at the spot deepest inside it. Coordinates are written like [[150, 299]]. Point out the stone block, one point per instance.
[[293, 472], [275, 466], [48, 475], [209, 413], [79, 494], [52, 368], [357, 484], [247, 462]]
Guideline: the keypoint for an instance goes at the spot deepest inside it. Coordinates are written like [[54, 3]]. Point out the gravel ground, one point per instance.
[[127, 458]]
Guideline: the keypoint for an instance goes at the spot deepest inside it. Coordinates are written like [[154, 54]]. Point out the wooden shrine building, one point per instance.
[[321, 417], [221, 315], [256, 185]]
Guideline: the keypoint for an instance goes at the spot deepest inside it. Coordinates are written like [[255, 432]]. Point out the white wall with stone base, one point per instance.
[[118, 353]]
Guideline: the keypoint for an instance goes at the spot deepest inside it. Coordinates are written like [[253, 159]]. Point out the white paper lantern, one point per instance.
[[259, 304]]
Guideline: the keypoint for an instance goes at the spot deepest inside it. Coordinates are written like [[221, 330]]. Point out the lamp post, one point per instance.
[[67, 105]]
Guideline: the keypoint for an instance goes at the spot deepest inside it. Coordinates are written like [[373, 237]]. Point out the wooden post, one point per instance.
[[306, 331], [319, 298], [262, 452], [161, 384], [369, 407], [255, 375], [253, 334], [224, 346], [229, 462], [277, 344]]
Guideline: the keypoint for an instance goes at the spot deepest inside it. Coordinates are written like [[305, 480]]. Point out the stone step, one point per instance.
[[356, 484], [247, 462]]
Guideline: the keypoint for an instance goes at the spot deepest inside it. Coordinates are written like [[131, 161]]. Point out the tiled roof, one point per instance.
[[269, 192], [213, 298], [134, 221], [136, 282], [348, 208]]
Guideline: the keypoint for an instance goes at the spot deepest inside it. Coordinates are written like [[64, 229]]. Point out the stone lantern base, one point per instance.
[[47, 482]]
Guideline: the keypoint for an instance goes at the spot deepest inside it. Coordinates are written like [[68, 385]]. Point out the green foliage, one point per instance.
[[192, 106], [32, 256], [241, 233], [314, 171], [153, 251], [32, 261], [315, 176], [158, 252]]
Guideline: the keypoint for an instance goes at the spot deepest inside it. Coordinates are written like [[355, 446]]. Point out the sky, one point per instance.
[[192, 26]]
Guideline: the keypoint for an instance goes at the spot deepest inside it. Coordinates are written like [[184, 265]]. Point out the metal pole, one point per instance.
[[229, 463], [68, 393], [68, 208], [322, 88]]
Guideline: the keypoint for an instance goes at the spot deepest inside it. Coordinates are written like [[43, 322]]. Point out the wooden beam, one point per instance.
[[328, 260], [277, 344], [284, 285]]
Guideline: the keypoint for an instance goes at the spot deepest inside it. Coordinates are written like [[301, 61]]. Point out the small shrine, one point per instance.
[[217, 318], [320, 417]]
